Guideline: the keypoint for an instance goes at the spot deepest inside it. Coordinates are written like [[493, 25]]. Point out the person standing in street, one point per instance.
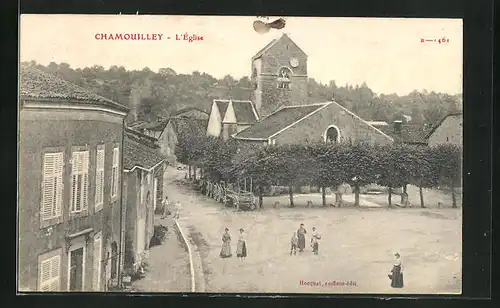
[[294, 241], [225, 251], [178, 208], [165, 204], [241, 247], [315, 237], [396, 274], [301, 235]]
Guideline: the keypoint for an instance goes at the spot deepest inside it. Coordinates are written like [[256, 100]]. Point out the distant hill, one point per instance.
[[159, 94]]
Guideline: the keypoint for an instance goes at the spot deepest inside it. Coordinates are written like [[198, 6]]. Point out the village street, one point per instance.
[[167, 266], [357, 245]]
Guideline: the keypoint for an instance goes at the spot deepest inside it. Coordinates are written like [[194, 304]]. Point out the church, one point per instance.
[[280, 111]]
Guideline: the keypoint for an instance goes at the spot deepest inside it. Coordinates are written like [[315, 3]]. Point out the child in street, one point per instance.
[[294, 243]]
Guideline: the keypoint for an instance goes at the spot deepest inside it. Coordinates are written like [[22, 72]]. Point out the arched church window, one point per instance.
[[284, 78], [332, 134]]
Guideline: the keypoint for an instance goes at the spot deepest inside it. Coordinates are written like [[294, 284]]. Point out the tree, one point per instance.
[[424, 170], [395, 165], [258, 163], [448, 161], [360, 167], [330, 166]]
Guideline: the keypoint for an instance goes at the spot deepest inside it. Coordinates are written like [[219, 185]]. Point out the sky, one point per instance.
[[387, 54]]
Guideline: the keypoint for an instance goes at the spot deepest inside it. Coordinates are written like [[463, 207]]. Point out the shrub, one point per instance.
[[159, 235]]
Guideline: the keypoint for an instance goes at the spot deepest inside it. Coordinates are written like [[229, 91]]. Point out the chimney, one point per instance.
[[398, 126]]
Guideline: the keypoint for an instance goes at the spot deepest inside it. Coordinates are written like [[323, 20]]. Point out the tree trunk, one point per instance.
[[453, 196], [356, 194], [404, 192], [201, 172], [189, 171], [390, 197], [323, 195], [194, 172], [290, 193], [261, 198], [421, 191]]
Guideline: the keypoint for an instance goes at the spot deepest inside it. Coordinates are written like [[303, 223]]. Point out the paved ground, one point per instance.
[[168, 265], [357, 245]]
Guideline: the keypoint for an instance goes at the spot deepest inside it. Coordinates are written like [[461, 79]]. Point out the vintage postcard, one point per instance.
[[240, 154]]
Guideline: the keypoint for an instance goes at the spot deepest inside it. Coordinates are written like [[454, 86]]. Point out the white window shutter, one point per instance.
[[99, 178], [59, 184], [52, 190], [48, 186], [74, 181], [50, 274], [55, 273]]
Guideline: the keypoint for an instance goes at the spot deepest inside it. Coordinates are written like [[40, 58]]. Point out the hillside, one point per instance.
[[158, 94]]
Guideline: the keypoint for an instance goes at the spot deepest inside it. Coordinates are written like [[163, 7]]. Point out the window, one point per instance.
[[332, 134], [79, 181], [99, 179], [115, 173], [284, 80], [49, 270], [52, 186], [96, 281]]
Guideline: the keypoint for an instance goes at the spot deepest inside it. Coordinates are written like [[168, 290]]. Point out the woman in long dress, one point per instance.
[[225, 252], [314, 241], [396, 274], [301, 234], [241, 247]]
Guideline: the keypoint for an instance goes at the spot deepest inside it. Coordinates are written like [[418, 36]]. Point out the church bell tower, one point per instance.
[[279, 75]]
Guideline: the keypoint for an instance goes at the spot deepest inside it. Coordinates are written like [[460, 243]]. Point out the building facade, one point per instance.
[[143, 171], [328, 122], [70, 214], [279, 74]]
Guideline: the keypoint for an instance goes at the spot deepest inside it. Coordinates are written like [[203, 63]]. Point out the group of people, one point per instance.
[[298, 240], [166, 208], [241, 246]]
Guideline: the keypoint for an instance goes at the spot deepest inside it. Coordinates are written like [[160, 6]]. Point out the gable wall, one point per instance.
[[312, 129], [449, 132]]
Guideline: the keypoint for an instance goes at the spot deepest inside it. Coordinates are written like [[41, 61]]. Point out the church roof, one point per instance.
[[245, 112], [278, 121], [271, 44], [222, 105]]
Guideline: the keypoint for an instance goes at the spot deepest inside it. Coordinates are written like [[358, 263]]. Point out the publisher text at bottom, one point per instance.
[[332, 283]]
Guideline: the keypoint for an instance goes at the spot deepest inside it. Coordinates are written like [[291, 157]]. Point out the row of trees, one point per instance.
[[153, 94], [324, 165]]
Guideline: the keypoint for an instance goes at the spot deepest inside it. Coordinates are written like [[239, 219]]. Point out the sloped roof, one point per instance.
[[190, 126], [458, 114], [245, 112], [222, 105], [138, 152], [35, 84], [277, 121], [261, 52], [410, 133], [178, 113]]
